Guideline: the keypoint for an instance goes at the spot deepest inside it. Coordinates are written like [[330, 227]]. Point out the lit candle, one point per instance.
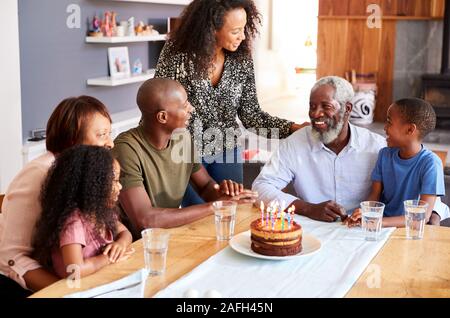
[[282, 220], [289, 220], [262, 213], [289, 216], [293, 213], [272, 210], [272, 220], [273, 207], [277, 206], [267, 216]]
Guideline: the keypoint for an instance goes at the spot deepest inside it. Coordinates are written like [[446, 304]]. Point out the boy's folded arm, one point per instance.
[[375, 192], [399, 221], [431, 200], [394, 221], [375, 195]]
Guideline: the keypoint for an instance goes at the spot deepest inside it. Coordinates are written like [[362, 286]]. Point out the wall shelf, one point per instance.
[[126, 39], [109, 81]]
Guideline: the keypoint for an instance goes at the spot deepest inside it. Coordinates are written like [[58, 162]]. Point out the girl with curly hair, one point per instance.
[[209, 53], [79, 224], [75, 120]]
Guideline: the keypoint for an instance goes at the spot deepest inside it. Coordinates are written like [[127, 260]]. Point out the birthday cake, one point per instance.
[[276, 238]]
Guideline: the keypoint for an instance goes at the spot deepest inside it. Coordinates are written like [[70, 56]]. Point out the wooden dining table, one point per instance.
[[402, 268]]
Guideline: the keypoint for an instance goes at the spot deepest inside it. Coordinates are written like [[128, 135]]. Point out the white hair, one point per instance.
[[343, 89]]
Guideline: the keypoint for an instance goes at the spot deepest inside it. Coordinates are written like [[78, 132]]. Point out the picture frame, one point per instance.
[[119, 61], [172, 23]]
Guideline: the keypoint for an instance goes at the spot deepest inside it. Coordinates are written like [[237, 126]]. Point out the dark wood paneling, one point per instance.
[[341, 7], [332, 43], [411, 8], [423, 8], [389, 7], [437, 8], [347, 43], [355, 51], [371, 43], [385, 70], [406, 7], [325, 7], [357, 7]]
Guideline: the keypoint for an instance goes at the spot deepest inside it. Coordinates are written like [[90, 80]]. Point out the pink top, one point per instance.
[[20, 211], [78, 230]]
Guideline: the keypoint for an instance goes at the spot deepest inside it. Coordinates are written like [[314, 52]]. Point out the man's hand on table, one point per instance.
[[354, 219], [229, 187], [230, 190], [328, 211]]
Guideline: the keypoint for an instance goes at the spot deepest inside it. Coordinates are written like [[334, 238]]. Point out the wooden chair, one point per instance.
[[441, 154], [445, 222], [1, 201]]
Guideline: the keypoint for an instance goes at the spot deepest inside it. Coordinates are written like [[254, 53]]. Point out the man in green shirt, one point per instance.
[[157, 163]]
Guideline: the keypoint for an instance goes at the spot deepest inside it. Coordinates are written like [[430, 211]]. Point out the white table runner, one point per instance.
[[131, 286], [330, 272]]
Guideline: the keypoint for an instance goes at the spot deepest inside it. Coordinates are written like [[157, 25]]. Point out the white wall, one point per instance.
[[10, 101], [280, 47], [269, 70]]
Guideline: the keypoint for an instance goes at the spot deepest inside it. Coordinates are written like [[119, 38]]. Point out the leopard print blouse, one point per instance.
[[213, 124]]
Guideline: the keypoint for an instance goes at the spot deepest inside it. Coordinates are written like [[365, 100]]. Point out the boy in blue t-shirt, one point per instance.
[[406, 170]]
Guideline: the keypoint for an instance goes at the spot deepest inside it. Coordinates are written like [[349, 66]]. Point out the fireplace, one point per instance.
[[436, 87], [436, 90]]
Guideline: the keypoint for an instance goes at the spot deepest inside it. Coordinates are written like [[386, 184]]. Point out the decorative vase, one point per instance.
[[363, 107]]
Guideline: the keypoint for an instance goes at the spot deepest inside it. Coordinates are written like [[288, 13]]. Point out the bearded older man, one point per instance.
[[330, 163]]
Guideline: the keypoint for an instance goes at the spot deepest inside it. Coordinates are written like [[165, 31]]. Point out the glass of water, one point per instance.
[[372, 216], [156, 243], [224, 219], [415, 215]]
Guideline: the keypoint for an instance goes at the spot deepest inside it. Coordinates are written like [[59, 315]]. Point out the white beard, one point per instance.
[[329, 136]]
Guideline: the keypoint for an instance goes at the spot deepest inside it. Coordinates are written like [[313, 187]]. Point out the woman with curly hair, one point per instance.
[[79, 229], [76, 120], [209, 53]]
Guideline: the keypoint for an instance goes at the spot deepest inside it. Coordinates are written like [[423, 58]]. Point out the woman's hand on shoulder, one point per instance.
[[295, 127]]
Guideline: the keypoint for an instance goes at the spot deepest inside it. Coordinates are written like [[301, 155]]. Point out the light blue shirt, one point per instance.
[[318, 174], [407, 179]]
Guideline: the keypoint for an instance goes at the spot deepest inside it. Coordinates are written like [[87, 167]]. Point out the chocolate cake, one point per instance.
[[277, 239]]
